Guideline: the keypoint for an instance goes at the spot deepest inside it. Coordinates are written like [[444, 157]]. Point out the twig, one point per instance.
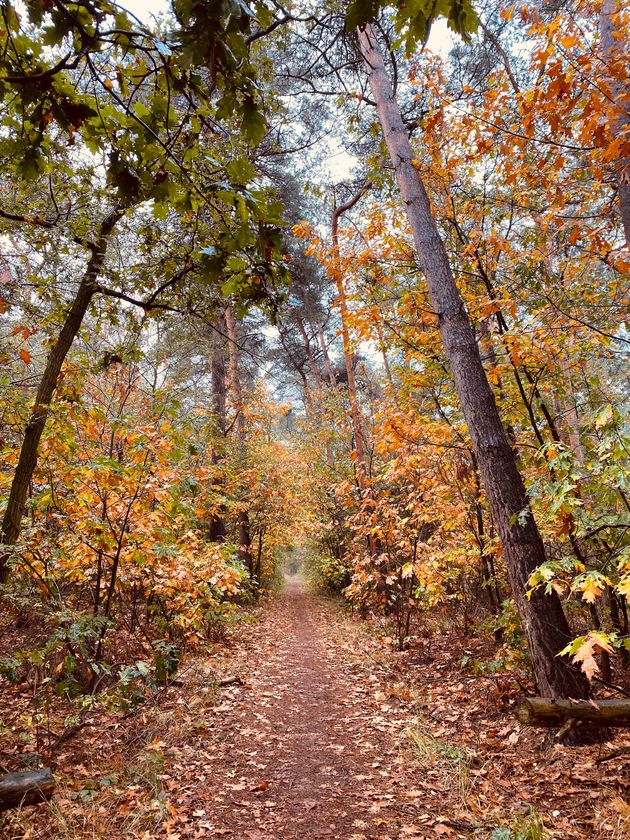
[[613, 754], [237, 680], [612, 685], [69, 733]]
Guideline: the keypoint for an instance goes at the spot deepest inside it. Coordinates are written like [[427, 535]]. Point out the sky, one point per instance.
[[145, 8], [440, 39], [339, 162]]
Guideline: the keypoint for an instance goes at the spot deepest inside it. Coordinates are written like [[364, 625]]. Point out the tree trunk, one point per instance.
[[541, 615], [217, 376], [567, 420], [315, 371], [299, 369], [259, 553], [12, 521], [348, 354], [243, 536], [615, 58], [324, 350], [383, 348]]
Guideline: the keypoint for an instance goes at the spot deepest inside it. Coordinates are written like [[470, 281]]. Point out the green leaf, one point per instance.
[[240, 170], [361, 11], [253, 123]]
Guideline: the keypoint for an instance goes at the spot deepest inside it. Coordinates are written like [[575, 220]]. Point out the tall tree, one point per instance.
[[218, 384], [11, 522], [542, 615], [243, 535], [348, 353]]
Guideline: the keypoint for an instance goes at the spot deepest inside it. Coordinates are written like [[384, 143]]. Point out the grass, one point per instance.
[[527, 827], [451, 761], [100, 809]]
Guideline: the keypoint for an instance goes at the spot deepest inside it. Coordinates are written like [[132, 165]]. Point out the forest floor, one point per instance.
[[332, 734]]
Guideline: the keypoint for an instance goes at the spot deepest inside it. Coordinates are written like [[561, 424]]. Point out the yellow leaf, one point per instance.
[[593, 644], [591, 591], [604, 416], [568, 41]]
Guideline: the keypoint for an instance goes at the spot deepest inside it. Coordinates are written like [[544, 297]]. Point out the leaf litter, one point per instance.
[[329, 733]]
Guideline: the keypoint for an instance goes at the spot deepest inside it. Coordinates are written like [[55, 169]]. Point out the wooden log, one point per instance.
[[543, 711], [27, 788]]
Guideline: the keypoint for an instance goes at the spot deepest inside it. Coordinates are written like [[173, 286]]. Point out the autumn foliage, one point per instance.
[[218, 367]]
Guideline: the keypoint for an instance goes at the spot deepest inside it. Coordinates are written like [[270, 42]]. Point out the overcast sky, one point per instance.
[[440, 40], [338, 160]]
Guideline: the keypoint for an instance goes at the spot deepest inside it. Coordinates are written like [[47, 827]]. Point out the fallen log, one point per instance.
[[543, 711], [27, 788]]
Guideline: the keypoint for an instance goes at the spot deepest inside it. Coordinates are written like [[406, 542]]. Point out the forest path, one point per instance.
[[298, 752]]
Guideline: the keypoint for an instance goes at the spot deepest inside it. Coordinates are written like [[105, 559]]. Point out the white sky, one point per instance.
[[145, 8], [440, 39]]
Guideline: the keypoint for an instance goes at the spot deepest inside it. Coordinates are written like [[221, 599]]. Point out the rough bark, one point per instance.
[[12, 521], [28, 788], [541, 615], [243, 536], [615, 57]]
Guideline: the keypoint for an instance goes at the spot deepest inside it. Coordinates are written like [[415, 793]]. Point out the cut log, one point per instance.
[[28, 788], [543, 711]]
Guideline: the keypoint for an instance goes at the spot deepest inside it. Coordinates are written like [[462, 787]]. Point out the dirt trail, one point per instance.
[[297, 753], [332, 735]]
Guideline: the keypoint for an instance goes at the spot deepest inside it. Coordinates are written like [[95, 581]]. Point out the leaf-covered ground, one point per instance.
[[331, 734]]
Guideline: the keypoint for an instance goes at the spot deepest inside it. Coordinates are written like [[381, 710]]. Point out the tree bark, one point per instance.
[[217, 377], [569, 425], [324, 350], [315, 372], [348, 354], [28, 788], [12, 521], [615, 58], [243, 536], [541, 615], [383, 348]]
